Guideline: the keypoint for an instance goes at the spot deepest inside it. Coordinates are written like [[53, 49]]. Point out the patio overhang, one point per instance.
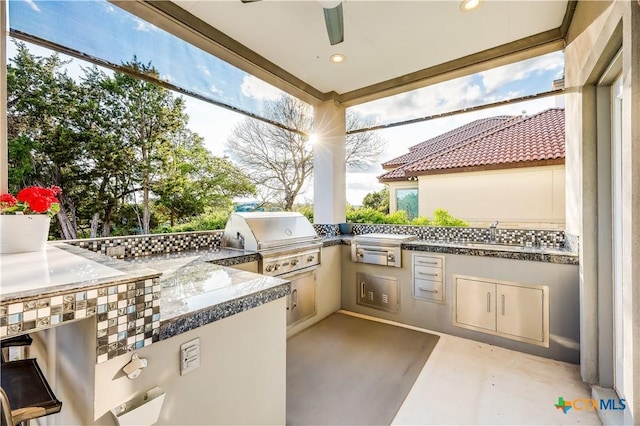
[[253, 43]]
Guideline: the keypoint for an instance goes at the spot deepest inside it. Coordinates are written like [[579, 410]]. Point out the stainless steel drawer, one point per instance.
[[434, 262], [427, 273], [428, 278], [426, 289]]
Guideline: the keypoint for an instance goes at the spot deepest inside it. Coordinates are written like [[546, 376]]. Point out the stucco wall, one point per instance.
[[241, 378], [597, 32], [531, 197]]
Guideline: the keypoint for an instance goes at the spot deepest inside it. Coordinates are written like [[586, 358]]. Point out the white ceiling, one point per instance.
[[384, 40]]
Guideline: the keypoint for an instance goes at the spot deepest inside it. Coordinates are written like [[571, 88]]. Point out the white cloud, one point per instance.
[[144, 26], [110, 8], [254, 88], [33, 5], [462, 92], [204, 70], [495, 78], [213, 89], [446, 96]]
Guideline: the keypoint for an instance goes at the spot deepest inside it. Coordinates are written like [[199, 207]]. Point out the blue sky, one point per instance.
[[105, 31]]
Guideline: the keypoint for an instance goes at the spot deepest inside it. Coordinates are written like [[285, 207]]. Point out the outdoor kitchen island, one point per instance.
[[235, 319]]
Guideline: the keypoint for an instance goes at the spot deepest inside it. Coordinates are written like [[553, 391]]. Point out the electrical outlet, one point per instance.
[[115, 251], [189, 356]]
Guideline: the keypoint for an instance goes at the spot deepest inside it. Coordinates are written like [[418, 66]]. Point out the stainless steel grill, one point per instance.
[[289, 248], [286, 241], [379, 249]]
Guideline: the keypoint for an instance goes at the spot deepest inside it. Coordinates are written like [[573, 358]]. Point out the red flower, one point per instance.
[[31, 200], [7, 200], [39, 199]]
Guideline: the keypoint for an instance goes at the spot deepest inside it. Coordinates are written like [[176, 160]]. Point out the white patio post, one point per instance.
[[329, 169], [4, 153]]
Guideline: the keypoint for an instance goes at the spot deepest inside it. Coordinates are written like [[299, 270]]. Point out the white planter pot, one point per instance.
[[23, 233]]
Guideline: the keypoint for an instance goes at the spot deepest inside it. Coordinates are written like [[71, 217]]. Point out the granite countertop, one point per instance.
[[196, 289], [505, 251]]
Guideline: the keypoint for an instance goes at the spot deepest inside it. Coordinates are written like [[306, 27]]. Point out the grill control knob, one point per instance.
[[276, 267], [359, 254], [269, 268], [310, 258], [294, 262], [391, 257]]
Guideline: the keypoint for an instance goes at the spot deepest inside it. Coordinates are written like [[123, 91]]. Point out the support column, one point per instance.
[[329, 166], [4, 153]]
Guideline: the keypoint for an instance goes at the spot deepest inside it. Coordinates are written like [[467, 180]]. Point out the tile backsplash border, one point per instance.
[[523, 237], [143, 245]]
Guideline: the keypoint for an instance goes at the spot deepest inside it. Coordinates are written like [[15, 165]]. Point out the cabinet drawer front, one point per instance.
[[434, 262], [426, 289], [427, 273]]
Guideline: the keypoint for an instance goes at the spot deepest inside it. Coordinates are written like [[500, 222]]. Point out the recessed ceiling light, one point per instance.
[[467, 5], [338, 58]]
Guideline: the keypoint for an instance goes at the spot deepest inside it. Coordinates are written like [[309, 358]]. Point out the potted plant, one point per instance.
[[25, 218]]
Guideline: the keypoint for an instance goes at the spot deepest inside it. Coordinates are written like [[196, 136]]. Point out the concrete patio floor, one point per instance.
[[468, 382]]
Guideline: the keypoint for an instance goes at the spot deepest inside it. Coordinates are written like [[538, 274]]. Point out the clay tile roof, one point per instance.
[[447, 140], [537, 138]]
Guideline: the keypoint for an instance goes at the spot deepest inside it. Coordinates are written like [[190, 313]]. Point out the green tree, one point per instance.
[[191, 179], [111, 169], [377, 200], [45, 146], [105, 140], [147, 116]]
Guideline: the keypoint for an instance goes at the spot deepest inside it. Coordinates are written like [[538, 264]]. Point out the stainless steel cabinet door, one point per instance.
[[302, 300], [475, 303], [520, 312], [378, 292]]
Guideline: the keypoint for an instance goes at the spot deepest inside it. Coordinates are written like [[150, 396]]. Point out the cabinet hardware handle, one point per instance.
[[427, 273], [422, 262], [362, 290], [427, 289], [488, 302], [294, 298], [503, 298]]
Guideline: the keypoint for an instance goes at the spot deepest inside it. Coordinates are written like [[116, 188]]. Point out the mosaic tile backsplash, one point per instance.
[[145, 245], [523, 237], [127, 315]]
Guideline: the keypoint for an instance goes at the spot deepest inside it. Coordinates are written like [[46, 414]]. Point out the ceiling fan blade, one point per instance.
[[335, 24]]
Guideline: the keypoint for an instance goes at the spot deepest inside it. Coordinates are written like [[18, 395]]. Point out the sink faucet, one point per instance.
[[492, 231]]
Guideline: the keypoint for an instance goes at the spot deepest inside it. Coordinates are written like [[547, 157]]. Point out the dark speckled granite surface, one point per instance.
[[196, 289], [535, 254]]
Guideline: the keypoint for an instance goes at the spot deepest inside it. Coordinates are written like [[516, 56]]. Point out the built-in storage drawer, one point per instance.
[[429, 261], [427, 273], [428, 277], [378, 292], [512, 310]]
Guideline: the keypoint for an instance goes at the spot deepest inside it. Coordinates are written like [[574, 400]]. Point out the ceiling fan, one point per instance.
[[333, 19]]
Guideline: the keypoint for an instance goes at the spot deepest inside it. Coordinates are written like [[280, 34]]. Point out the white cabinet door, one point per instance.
[[475, 303], [520, 312]]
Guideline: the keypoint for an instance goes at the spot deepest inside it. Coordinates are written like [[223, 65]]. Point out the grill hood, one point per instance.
[[258, 231]]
